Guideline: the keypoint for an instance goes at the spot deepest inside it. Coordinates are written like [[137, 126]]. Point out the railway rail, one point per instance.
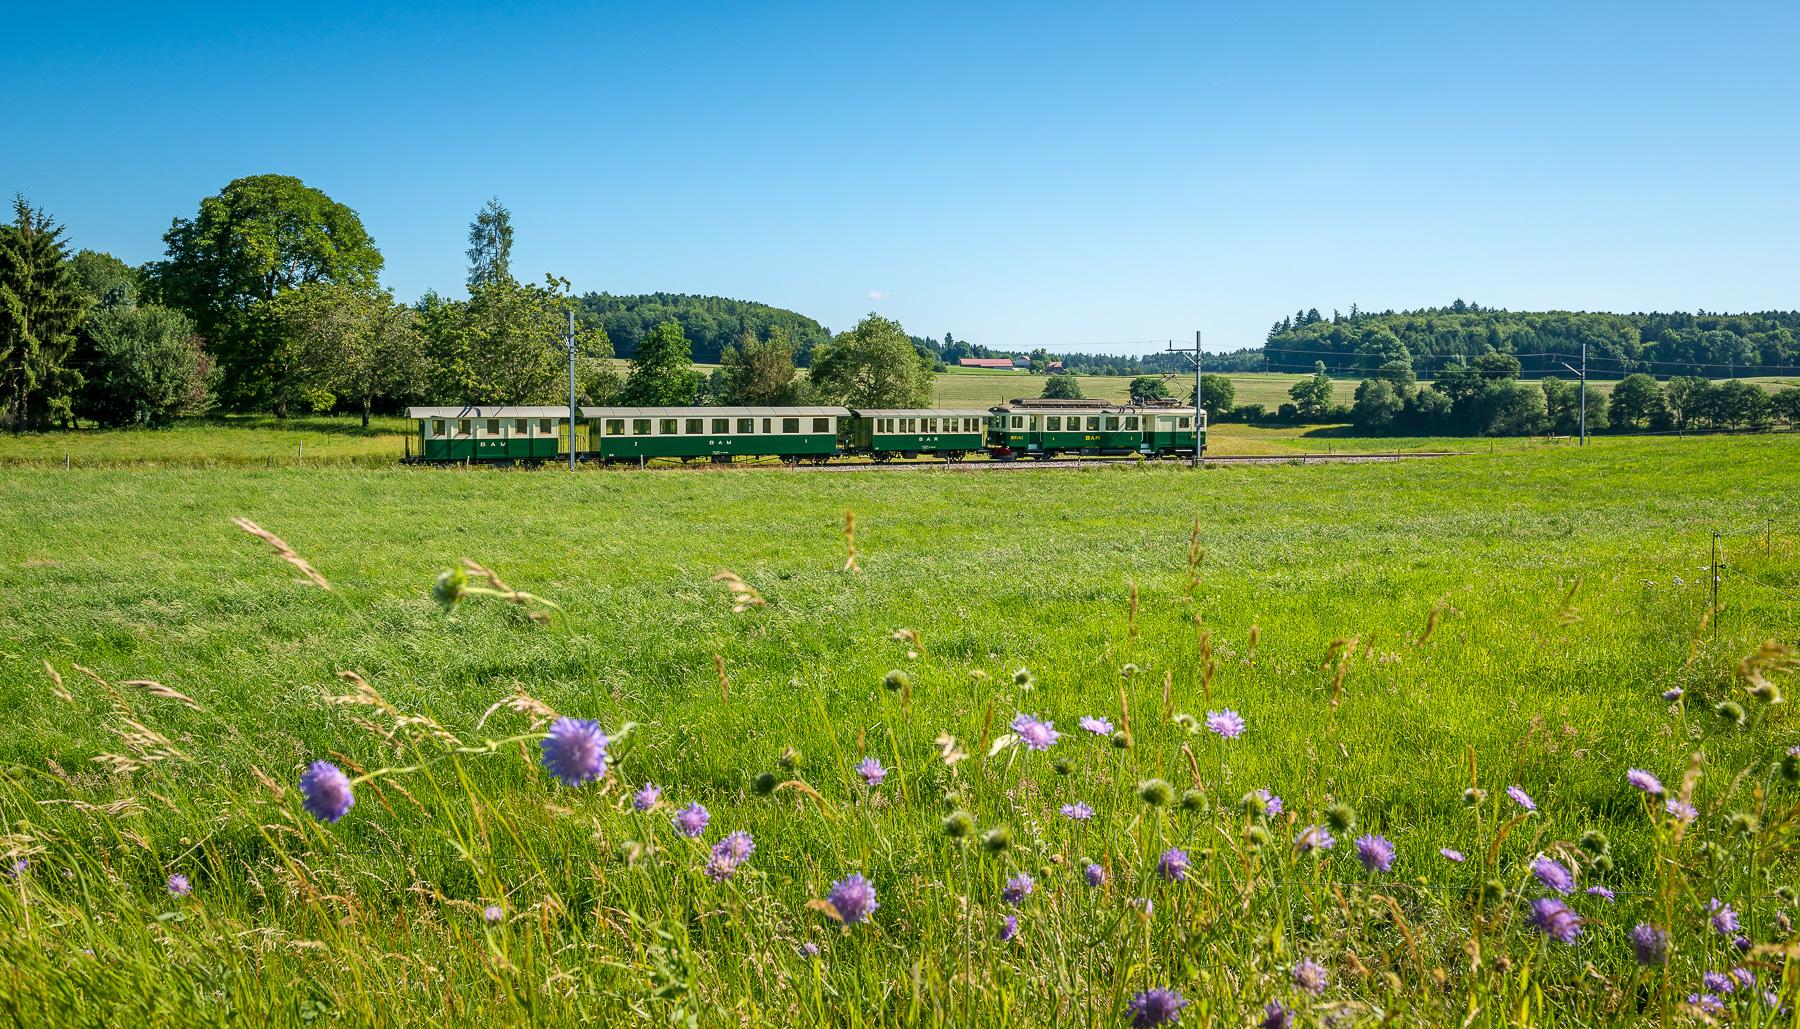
[[861, 465]]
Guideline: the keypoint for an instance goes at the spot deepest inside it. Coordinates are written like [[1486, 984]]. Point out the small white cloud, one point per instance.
[[878, 294]]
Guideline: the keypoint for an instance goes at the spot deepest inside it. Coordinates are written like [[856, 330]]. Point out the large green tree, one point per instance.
[[1062, 387], [873, 365], [260, 236], [490, 244], [1636, 401], [357, 345], [1312, 397], [759, 372], [1146, 388], [505, 344], [144, 366], [662, 371], [42, 305]]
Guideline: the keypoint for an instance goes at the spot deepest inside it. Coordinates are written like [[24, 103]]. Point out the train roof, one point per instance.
[[488, 411], [714, 412], [922, 412], [1040, 406]]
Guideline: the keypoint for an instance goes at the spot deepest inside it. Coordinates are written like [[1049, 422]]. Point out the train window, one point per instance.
[[909, 425], [1131, 421], [746, 425], [462, 426], [640, 426], [887, 425], [721, 426], [544, 426], [790, 425], [1053, 423], [1018, 421], [928, 425], [971, 425], [615, 426], [1094, 423], [768, 425], [696, 426], [821, 425], [1112, 423], [493, 427], [1185, 421], [437, 426], [669, 426]]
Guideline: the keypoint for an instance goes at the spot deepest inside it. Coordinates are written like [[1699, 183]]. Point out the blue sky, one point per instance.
[[1018, 175]]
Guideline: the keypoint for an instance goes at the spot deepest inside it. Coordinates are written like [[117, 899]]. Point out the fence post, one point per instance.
[[1715, 587], [67, 456]]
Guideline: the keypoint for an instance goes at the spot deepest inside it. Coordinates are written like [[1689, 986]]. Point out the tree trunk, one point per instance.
[[366, 412]]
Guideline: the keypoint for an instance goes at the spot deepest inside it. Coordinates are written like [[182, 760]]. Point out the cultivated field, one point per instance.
[[1392, 636]]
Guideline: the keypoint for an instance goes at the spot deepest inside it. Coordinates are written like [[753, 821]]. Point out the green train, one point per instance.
[[1036, 429]]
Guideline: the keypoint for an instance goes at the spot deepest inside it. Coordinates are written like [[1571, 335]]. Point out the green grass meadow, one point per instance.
[[1393, 635]]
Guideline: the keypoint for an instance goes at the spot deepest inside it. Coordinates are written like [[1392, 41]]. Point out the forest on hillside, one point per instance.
[[1710, 345], [710, 323]]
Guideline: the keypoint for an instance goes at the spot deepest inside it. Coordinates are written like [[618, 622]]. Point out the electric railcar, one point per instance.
[[1037, 429]]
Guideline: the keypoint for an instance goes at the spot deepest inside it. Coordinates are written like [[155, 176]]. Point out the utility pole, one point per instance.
[[1582, 371], [569, 338], [1195, 355]]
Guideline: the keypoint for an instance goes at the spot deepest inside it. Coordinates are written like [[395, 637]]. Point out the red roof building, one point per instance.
[[985, 362]]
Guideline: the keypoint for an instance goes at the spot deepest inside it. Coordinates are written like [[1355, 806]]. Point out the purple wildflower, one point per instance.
[[1078, 811], [1037, 735], [493, 913], [575, 750], [691, 821], [736, 846], [1276, 1016], [1097, 726], [1375, 852], [810, 949], [1742, 943], [179, 885], [1724, 919], [1227, 723], [1707, 1002], [1681, 809], [1271, 803], [1672, 694], [1744, 976], [1310, 976], [1009, 928], [646, 797], [1718, 982], [1018, 888], [1094, 873], [1553, 874], [326, 790], [18, 867], [1314, 837], [1173, 865], [871, 771], [1637, 778], [1649, 944], [1554, 919], [1521, 798], [1156, 1006], [1452, 854], [1602, 892], [853, 897]]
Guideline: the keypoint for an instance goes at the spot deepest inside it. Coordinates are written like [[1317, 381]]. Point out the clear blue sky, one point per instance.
[[1018, 175]]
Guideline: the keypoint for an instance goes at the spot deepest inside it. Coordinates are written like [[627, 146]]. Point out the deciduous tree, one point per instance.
[[662, 371], [872, 365]]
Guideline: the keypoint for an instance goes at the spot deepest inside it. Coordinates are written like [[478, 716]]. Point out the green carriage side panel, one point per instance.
[[928, 443]]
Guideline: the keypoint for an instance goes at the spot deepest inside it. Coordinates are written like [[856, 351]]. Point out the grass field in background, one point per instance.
[[1514, 618]]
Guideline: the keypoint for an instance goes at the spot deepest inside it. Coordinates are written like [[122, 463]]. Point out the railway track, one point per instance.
[[1075, 462]]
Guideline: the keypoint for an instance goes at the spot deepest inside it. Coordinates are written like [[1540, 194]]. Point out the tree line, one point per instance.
[[269, 299]]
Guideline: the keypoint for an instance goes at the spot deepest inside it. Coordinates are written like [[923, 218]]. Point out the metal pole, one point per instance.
[[1715, 587], [1584, 392], [1197, 407], [570, 338]]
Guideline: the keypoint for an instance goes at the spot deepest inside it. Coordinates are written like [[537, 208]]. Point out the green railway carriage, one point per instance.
[[713, 433], [1046, 428], [498, 434], [886, 433]]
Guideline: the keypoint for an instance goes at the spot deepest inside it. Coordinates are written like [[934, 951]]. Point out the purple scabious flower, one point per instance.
[[1672, 694], [179, 885], [1173, 865], [18, 867], [575, 750], [646, 797], [1742, 943], [1156, 1006], [1744, 976], [493, 913], [719, 868], [1602, 892], [326, 790], [1649, 944], [1553, 875], [736, 846], [1078, 811], [853, 898], [1227, 723], [1521, 798], [1271, 803], [1375, 852], [871, 771], [1451, 854], [1018, 888], [1707, 1002], [1637, 778], [1681, 809], [1313, 838], [1037, 735], [1009, 927], [1554, 919], [691, 821], [1310, 976], [1724, 919], [1097, 726], [1276, 1016], [810, 949], [1094, 874], [1718, 982]]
